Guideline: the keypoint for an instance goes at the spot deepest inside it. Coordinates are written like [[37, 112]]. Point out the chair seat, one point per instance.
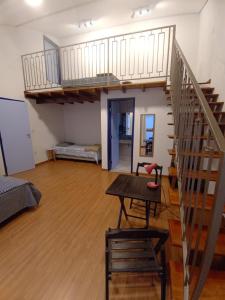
[[134, 266], [125, 244], [132, 256], [136, 251]]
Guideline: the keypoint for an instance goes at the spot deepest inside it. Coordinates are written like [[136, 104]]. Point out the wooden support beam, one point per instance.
[[89, 90], [105, 90], [74, 96], [85, 98], [31, 95], [59, 100], [71, 92], [83, 95], [124, 89], [41, 101], [88, 95], [48, 100], [73, 100], [59, 93]]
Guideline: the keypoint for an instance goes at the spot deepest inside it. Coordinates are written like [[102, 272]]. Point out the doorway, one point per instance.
[[120, 134]]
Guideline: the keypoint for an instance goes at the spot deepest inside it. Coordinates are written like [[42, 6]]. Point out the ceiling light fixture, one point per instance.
[[141, 12], [34, 3], [86, 24], [161, 4]]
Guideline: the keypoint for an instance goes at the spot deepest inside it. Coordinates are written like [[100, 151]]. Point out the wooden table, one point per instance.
[[128, 186]]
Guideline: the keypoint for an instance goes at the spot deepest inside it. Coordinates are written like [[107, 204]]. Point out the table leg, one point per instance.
[[54, 156], [147, 208], [120, 216], [123, 207], [122, 210], [173, 182]]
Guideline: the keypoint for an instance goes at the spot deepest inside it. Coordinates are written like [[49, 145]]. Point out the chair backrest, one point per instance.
[[157, 170], [152, 233]]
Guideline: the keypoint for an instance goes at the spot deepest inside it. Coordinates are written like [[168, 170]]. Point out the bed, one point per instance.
[[16, 195], [81, 152]]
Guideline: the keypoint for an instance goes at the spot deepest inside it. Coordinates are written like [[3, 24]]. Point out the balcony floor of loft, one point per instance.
[[88, 94], [57, 250]]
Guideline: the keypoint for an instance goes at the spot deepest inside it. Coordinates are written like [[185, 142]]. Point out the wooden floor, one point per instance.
[[56, 252]]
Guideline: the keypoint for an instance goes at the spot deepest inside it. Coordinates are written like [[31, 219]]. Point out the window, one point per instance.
[[147, 135]]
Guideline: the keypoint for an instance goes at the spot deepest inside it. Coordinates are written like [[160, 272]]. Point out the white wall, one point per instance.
[[47, 128], [83, 123], [46, 121], [152, 101], [187, 33], [28, 41], [211, 58]]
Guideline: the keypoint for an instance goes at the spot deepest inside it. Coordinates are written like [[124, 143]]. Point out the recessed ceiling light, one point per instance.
[[34, 3], [161, 4], [86, 24], [141, 12]]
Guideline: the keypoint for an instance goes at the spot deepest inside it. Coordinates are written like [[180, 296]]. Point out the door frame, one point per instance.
[[109, 146]]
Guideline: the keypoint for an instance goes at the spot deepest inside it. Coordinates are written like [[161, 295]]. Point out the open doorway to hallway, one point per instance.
[[120, 134]]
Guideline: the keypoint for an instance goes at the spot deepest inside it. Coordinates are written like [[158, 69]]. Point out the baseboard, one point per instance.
[[104, 169], [41, 163]]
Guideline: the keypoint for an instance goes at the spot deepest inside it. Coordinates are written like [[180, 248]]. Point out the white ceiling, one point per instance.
[[60, 18]]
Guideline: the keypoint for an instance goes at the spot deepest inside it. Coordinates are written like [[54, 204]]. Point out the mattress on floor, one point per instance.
[[77, 151]]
